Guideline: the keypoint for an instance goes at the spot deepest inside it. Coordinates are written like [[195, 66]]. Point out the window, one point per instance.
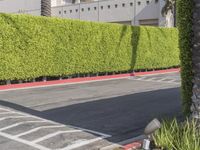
[[95, 8], [101, 7], [65, 12], [59, 12], [76, 10], [139, 3], [116, 5], [82, 9], [156, 1], [131, 4], [88, 8], [123, 4], [108, 6], [70, 11], [147, 2]]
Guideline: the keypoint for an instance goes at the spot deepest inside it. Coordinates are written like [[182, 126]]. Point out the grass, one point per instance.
[[175, 136]]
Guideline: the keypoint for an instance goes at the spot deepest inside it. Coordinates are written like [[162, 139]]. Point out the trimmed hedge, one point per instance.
[[31, 47], [184, 21]]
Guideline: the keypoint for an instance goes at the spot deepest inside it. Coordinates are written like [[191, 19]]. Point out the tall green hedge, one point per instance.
[[31, 47], [184, 21]]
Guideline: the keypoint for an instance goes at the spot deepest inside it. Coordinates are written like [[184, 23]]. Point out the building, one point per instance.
[[131, 12], [21, 6]]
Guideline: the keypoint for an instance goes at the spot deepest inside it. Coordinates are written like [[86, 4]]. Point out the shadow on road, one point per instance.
[[122, 117]]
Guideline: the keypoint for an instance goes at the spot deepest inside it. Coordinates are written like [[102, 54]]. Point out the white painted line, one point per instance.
[[140, 78], [158, 73], [53, 122], [37, 146], [5, 113], [151, 79], [14, 117], [38, 128], [62, 84], [56, 123], [79, 144], [3, 109], [17, 124], [91, 131], [54, 134], [36, 117]]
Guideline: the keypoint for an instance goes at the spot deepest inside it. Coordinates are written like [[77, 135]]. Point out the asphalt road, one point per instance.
[[108, 111]]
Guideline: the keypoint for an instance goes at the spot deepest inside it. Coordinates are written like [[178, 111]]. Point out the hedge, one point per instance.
[[32, 47], [184, 21]]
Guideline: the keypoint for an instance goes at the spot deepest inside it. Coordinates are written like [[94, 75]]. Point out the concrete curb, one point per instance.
[[82, 80], [129, 144]]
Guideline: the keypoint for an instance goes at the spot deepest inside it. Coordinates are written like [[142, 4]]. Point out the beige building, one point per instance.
[[132, 12]]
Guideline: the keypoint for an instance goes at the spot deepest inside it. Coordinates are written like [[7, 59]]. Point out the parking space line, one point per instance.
[[3, 109], [91, 131], [46, 137], [54, 134], [38, 128], [17, 124], [14, 117], [40, 147], [73, 146], [5, 113]]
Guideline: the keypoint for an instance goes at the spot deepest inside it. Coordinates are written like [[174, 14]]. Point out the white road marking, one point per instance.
[[40, 147], [91, 131], [143, 78], [151, 79], [3, 109], [14, 117], [54, 134], [79, 144], [38, 128], [17, 124], [55, 124], [5, 113]]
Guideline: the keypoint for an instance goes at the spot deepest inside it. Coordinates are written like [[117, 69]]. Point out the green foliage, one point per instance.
[[174, 136], [31, 47], [184, 21]]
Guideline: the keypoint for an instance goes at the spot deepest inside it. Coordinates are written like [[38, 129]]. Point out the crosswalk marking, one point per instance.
[[38, 128], [17, 124], [54, 134], [14, 117], [35, 143], [155, 79]]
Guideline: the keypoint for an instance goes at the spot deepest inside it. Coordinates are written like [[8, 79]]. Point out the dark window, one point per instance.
[[116, 5], [65, 12], [108, 6], [139, 3], [156, 1], [88, 8], [123, 5], [95, 8], [59, 12], [82, 9], [101, 7], [76, 10], [131, 4], [148, 2], [70, 11]]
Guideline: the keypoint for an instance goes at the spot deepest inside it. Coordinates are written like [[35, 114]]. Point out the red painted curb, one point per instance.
[[82, 80], [132, 146]]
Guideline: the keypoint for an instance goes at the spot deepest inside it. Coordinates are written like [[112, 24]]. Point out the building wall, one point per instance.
[[134, 12], [20, 6], [118, 11]]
